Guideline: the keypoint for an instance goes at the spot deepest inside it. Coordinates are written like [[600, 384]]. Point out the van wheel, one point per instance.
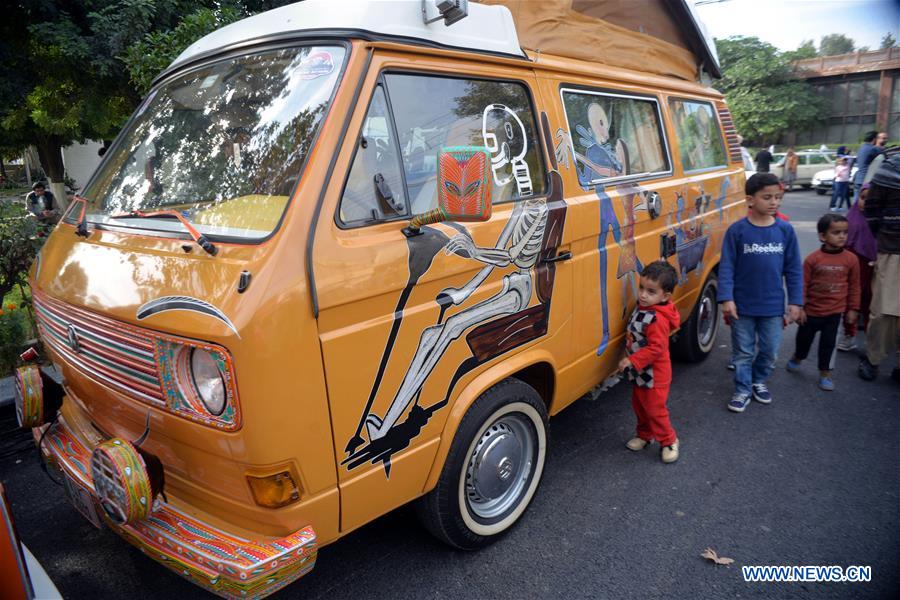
[[698, 336], [492, 470]]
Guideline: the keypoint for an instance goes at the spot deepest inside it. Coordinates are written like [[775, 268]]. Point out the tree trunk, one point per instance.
[[3, 169], [50, 152]]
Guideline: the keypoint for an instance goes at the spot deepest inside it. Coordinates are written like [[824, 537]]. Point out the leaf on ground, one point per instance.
[[719, 560]]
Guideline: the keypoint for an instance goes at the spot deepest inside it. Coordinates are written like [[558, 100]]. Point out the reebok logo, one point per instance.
[[770, 248]]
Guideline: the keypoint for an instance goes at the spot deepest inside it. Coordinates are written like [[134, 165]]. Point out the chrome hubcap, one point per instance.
[[706, 321], [500, 465]]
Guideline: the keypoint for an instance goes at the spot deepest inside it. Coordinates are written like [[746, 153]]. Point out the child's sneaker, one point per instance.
[[636, 444], [847, 343], [761, 393], [793, 366], [730, 366], [670, 453], [826, 384], [739, 402]]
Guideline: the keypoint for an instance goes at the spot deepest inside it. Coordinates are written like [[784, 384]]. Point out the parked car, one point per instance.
[[22, 575], [808, 164], [823, 180]]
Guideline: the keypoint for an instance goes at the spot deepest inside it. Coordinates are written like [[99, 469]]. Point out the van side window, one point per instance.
[[614, 136], [433, 112], [374, 189], [699, 137]]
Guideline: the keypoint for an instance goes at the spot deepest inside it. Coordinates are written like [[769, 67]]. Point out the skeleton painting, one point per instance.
[[519, 246]]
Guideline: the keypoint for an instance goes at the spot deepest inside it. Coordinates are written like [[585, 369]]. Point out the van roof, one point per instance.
[[486, 29]]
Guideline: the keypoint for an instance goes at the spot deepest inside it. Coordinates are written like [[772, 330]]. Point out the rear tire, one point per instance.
[[493, 468], [697, 336], [820, 192]]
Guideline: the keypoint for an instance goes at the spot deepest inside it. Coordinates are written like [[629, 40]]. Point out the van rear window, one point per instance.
[[615, 136], [699, 136]]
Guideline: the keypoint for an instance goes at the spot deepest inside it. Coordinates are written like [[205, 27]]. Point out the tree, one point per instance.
[[66, 84], [835, 43], [65, 79], [805, 50], [149, 56], [765, 98], [888, 41]]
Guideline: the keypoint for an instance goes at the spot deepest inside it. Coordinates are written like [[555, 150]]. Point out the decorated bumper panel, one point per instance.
[[230, 566]]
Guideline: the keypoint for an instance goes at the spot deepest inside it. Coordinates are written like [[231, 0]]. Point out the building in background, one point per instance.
[[861, 92]]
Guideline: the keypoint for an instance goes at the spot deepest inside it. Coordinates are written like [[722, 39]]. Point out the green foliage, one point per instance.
[[888, 41], [805, 50], [75, 70], [19, 243], [21, 237], [765, 98], [146, 58], [835, 43], [13, 334]]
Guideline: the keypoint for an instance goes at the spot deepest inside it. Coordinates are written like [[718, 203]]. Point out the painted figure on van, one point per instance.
[[691, 234], [633, 198], [523, 240], [601, 161]]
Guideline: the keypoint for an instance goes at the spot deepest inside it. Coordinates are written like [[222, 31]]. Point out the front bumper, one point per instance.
[[225, 564]]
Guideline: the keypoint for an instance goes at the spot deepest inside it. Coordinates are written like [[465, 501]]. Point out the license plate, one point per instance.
[[82, 501]]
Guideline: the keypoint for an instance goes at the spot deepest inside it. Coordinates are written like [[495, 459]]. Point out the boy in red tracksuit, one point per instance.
[[647, 362]]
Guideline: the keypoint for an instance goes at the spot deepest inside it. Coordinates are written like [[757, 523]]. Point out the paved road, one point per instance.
[[812, 479]]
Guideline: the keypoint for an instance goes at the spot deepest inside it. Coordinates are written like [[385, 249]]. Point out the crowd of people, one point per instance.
[[851, 281]]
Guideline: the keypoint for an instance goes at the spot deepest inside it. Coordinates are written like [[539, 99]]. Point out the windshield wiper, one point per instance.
[[198, 237]]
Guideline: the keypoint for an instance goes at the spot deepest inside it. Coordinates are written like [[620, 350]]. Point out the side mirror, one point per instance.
[[463, 188]]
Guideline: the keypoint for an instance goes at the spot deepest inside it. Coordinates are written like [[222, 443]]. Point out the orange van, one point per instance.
[[342, 260]]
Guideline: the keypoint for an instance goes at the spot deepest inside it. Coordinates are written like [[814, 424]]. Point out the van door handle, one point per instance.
[[558, 258]]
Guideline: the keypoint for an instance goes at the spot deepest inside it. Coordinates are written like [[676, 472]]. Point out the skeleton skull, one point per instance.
[[506, 140]]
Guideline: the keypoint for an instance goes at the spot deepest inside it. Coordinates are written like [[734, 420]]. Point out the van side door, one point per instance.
[[613, 153], [405, 323]]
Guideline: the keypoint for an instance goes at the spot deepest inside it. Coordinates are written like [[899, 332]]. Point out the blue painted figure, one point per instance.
[[599, 161]]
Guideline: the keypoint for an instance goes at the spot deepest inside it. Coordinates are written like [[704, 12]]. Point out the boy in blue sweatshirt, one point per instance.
[[759, 253]]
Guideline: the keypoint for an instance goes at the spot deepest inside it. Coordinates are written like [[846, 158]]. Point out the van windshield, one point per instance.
[[223, 144]]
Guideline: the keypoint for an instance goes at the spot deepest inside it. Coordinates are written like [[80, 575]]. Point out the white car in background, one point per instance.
[[809, 163], [823, 181]]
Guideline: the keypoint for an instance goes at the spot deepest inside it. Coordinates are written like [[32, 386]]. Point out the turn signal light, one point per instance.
[[274, 491]]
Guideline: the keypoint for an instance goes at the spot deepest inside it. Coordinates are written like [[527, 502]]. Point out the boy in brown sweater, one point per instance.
[[830, 287]]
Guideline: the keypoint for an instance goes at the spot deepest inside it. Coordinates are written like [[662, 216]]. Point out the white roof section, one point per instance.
[[486, 29]]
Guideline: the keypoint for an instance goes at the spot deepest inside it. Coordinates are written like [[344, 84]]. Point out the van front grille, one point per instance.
[[117, 355]]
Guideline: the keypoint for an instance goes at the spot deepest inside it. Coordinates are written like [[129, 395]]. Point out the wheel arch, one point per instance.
[[535, 367]]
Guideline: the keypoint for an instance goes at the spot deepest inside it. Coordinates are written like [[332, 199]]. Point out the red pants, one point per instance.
[[652, 415]]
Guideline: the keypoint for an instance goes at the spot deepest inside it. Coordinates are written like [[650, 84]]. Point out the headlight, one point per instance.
[[208, 382], [816, 181]]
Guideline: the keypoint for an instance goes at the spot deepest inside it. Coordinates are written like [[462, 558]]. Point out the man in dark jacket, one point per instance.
[[882, 210], [42, 204]]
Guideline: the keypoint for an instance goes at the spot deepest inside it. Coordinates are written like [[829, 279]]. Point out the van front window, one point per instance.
[[223, 144]]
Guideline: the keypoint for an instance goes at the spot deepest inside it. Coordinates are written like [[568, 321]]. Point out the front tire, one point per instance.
[[698, 335], [493, 468]]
